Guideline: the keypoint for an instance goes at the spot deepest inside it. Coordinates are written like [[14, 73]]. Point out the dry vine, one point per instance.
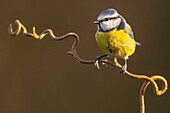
[[73, 52]]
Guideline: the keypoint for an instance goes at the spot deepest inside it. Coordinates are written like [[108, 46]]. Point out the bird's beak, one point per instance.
[[96, 22]]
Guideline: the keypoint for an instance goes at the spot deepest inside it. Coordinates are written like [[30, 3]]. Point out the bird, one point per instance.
[[114, 36]]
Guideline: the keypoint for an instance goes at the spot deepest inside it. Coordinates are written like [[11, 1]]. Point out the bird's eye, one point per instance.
[[106, 19]]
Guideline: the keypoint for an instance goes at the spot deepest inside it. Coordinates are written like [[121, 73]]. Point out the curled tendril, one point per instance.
[[72, 52]]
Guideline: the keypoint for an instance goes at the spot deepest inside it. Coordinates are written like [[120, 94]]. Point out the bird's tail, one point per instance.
[[139, 44]]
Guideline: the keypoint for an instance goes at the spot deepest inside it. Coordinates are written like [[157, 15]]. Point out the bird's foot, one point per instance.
[[105, 64], [124, 68], [97, 60]]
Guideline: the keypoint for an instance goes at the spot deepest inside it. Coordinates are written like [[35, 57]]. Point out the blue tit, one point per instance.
[[114, 37]]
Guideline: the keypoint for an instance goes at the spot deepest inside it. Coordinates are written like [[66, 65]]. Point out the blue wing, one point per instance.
[[132, 36], [129, 31]]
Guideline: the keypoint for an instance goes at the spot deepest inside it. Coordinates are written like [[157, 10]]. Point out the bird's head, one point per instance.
[[108, 20]]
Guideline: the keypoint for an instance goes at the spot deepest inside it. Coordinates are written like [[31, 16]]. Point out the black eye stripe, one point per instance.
[[106, 19]]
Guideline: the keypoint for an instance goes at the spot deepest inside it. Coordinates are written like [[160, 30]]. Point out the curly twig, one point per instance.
[[73, 52]]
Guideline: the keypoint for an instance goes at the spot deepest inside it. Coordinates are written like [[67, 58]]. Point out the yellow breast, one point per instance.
[[116, 42]]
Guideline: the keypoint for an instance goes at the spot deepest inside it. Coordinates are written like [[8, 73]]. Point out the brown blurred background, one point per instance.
[[39, 77]]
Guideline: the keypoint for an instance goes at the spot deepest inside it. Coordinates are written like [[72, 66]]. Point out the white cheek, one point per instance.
[[106, 25], [116, 22]]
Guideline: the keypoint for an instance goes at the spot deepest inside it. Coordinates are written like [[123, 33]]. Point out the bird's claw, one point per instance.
[[96, 63], [124, 68], [97, 60], [105, 64]]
